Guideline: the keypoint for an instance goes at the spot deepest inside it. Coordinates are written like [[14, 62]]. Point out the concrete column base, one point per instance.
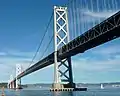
[[57, 86], [69, 85], [66, 87]]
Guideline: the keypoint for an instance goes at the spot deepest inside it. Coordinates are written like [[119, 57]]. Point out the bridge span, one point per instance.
[[106, 31], [64, 49]]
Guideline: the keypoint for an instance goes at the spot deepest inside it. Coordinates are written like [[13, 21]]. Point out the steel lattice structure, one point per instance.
[[101, 33], [61, 37]]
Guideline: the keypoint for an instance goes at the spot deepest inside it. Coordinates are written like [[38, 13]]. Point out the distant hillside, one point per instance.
[[78, 84], [49, 85], [3, 84]]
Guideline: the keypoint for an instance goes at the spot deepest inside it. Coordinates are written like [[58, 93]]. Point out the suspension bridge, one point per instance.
[[78, 26]]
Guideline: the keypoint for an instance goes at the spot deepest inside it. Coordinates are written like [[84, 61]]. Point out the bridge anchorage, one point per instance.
[[63, 79]]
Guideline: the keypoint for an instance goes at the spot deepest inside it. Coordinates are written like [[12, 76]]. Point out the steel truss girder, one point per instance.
[[99, 30]]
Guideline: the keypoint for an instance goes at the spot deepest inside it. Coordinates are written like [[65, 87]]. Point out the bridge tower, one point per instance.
[[62, 78], [18, 71]]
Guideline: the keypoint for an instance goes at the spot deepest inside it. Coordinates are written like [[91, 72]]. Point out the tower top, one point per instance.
[[60, 8]]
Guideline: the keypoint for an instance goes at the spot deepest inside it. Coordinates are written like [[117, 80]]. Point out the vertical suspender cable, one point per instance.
[[74, 23], [91, 5], [98, 10], [116, 7], [86, 21], [78, 16], [47, 47], [71, 21]]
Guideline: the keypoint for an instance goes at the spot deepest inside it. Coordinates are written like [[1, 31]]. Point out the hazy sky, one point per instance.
[[22, 24]]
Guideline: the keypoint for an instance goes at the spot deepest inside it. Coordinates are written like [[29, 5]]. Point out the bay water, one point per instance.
[[44, 92]]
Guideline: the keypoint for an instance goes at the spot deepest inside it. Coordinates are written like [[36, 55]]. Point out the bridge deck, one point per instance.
[[101, 33]]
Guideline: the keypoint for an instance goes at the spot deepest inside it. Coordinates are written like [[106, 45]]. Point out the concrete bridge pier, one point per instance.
[[11, 82], [18, 84], [15, 83], [10, 86]]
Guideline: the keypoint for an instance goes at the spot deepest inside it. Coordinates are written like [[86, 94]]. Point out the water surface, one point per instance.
[[41, 92]]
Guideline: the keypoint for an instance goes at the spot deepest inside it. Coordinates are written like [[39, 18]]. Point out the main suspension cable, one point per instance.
[[41, 41]]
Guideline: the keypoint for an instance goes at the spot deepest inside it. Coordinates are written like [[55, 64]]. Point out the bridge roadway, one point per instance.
[[107, 30]]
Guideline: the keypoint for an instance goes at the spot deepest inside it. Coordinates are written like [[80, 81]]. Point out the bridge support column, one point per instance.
[[13, 85], [10, 85], [18, 84], [10, 82], [62, 79]]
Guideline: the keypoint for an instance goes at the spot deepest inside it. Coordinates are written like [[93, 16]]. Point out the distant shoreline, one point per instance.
[[78, 84]]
